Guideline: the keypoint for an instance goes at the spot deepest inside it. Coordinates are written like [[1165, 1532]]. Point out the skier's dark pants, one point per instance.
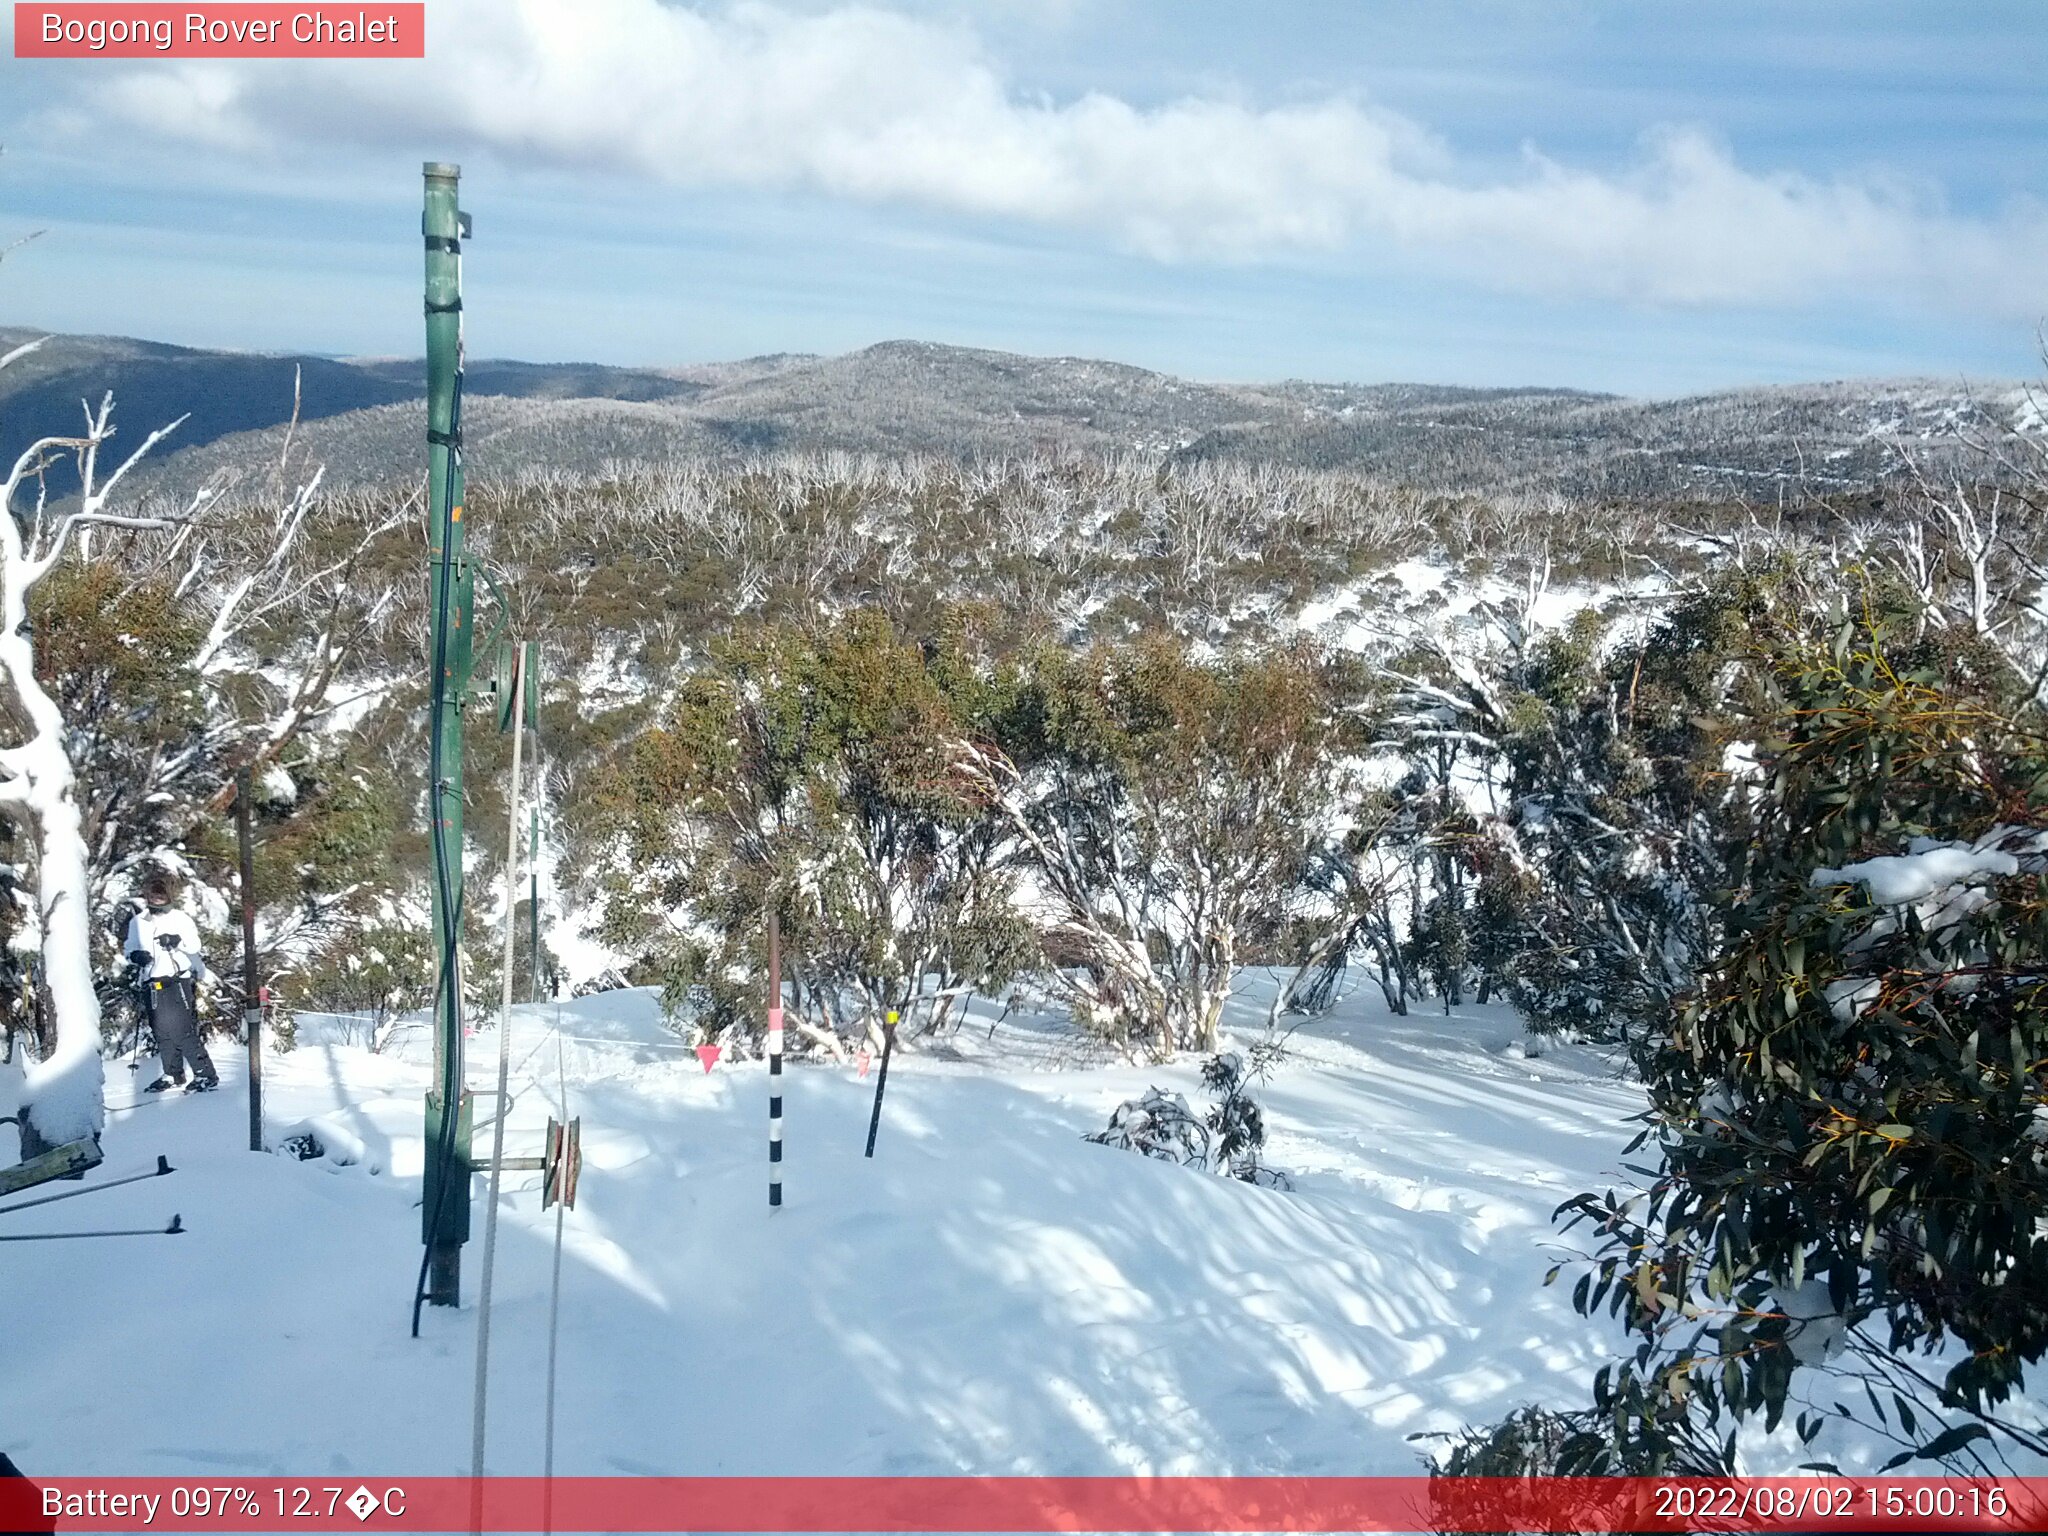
[[177, 1032]]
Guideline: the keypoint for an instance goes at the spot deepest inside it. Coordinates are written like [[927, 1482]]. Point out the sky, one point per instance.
[[1629, 195]]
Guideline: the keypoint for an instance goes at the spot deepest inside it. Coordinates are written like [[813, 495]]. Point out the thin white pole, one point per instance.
[[483, 1303], [547, 1516]]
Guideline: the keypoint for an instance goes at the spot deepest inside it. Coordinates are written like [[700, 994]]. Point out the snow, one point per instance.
[[1901, 879], [1821, 1331], [1848, 997], [1418, 578], [275, 786], [583, 958], [325, 1137], [347, 714], [1945, 884], [65, 1091], [989, 1294]]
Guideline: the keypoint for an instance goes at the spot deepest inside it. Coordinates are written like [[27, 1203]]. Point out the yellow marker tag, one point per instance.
[[455, 516]]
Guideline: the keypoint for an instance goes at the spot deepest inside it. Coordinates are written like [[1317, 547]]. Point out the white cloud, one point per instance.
[[886, 107]]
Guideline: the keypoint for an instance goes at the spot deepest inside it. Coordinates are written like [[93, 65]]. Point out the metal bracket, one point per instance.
[[501, 620], [523, 1164], [510, 660]]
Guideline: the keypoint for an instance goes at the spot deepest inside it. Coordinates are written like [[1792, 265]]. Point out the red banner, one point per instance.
[[985, 1504], [221, 31]]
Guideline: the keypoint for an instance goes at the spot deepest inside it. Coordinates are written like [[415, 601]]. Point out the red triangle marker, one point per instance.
[[864, 1058], [709, 1054]]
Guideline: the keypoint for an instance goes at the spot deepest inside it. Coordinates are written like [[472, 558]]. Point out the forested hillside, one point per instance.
[[1085, 736], [362, 419]]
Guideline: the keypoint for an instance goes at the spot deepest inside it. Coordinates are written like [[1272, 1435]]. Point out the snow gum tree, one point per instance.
[[823, 772], [1170, 809], [1607, 816], [63, 1095], [1850, 1107], [145, 653]]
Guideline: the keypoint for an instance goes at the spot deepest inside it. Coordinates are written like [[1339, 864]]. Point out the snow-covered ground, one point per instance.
[[989, 1294]]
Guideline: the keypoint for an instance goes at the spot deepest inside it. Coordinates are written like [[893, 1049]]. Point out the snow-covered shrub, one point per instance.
[[325, 1138], [1599, 743], [1534, 1441], [300, 1146], [283, 1030], [1236, 1123], [1228, 1139], [607, 980], [1158, 1125]]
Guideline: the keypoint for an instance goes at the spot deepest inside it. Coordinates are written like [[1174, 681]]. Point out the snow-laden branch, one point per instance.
[[22, 351]]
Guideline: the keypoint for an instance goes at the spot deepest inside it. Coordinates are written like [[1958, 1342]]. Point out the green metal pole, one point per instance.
[[445, 1207]]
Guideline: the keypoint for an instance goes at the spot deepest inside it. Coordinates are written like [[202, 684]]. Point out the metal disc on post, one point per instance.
[[564, 1163]]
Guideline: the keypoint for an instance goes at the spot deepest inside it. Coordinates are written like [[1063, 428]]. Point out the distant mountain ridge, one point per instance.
[[363, 417]]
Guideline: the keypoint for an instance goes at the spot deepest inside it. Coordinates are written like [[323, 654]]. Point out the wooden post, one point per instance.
[[774, 1060], [252, 992]]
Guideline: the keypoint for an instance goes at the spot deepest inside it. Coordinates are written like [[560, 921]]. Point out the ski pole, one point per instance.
[[143, 1017], [163, 1167], [177, 1226], [882, 1078], [148, 1018]]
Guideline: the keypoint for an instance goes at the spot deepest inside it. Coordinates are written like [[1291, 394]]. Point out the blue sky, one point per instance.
[[1638, 196]]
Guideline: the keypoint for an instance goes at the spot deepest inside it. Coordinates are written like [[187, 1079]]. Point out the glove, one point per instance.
[[138, 957]]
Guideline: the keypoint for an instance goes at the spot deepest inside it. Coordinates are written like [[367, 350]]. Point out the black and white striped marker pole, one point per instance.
[[774, 1062], [882, 1077]]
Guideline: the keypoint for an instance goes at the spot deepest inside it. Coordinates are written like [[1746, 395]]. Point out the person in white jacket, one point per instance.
[[163, 945]]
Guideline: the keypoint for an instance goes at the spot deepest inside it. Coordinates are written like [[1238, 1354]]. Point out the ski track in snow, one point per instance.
[[990, 1294]]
